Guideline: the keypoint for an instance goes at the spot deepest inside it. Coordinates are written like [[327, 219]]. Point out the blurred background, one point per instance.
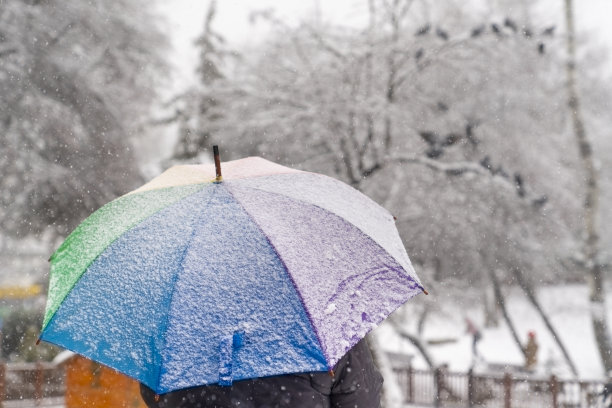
[[483, 126]]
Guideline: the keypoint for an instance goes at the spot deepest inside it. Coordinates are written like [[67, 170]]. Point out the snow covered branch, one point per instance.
[[455, 169]]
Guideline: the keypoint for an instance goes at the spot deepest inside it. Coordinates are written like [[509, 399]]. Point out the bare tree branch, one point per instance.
[[8, 50], [416, 341]]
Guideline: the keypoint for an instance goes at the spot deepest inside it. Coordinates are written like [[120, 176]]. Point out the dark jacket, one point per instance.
[[356, 383]]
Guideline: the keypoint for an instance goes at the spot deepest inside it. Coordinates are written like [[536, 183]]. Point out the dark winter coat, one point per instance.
[[356, 383]]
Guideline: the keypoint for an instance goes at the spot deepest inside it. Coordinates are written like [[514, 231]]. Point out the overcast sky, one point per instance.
[[185, 21]]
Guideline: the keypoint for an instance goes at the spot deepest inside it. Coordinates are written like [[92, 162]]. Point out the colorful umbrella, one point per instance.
[[193, 280]]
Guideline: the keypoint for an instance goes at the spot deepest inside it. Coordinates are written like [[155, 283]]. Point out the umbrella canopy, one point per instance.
[[190, 280]]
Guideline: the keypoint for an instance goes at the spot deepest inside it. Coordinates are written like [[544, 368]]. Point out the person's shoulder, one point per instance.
[[356, 372]]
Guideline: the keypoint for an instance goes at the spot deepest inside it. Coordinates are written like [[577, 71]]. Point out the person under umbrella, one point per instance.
[[354, 382], [197, 279]]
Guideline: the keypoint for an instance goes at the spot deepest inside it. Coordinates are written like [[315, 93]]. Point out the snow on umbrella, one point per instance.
[[189, 281]]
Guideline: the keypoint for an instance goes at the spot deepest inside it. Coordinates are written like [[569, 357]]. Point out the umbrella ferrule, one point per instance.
[[219, 177]]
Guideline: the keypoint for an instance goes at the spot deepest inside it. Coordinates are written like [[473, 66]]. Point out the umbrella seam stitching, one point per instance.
[[132, 226], [310, 320]]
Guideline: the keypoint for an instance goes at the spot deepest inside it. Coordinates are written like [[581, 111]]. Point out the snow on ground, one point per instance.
[[44, 403], [568, 309]]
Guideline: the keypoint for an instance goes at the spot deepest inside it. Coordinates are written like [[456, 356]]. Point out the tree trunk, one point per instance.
[[502, 306], [491, 309], [534, 301], [422, 319], [416, 341], [591, 240], [395, 22]]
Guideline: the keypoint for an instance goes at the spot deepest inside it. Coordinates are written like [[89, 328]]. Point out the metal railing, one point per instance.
[[440, 388], [30, 381]]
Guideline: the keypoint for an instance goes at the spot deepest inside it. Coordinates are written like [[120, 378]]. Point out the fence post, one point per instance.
[[38, 390], [438, 380], [2, 383], [410, 384], [470, 390], [507, 390], [554, 390]]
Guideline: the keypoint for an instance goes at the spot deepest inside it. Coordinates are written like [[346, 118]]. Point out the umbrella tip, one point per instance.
[[38, 341], [219, 178], [425, 291], [394, 218], [156, 397], [331, 373]]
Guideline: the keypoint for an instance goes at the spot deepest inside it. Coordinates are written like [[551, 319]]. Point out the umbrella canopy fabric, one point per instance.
[[187, 281]]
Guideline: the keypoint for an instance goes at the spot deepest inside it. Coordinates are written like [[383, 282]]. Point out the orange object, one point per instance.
[[89, 384]]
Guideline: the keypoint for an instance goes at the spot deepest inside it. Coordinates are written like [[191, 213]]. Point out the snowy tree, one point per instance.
[[444, 129], [197, 110], [591, 257], [76, 81], [453, 120]]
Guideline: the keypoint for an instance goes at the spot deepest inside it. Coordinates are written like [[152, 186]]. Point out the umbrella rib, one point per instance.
[[408, 274], [164, 327], [310, 320]]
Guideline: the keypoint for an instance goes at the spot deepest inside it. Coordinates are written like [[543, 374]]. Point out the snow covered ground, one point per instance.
[[45, 403], [567, 306]]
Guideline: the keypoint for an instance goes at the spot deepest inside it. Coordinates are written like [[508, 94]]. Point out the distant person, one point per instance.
[[531, 351], [473, 330], [355, 383]]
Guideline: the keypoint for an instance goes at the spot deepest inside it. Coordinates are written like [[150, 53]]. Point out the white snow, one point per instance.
[[331, 308], [63, 356], [568, 307]]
